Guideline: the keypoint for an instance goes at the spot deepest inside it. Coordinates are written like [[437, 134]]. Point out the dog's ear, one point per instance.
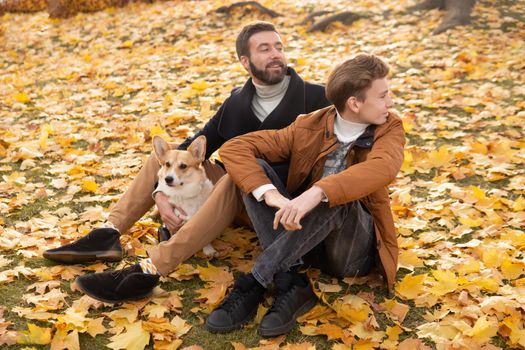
[[198, 148], [161, 147]]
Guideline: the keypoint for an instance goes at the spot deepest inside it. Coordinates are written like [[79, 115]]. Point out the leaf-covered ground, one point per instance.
[[81, 98]]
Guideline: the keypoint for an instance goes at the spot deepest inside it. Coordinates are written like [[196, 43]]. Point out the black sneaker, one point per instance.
[[238, 307], [294, 297], [101, 243], [118, 286], [163, 234]]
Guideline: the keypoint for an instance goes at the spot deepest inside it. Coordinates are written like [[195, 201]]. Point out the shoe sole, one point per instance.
[[238, 325], [75, 257], [109, 301], [287, 327]]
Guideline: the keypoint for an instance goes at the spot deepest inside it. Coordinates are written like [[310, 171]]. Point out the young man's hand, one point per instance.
[[274, 198], [290, 215], [166, 211]]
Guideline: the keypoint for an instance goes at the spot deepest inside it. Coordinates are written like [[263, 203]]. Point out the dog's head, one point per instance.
[[181, 168]]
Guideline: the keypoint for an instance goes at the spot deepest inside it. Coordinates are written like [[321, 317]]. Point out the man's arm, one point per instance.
[[240, 154]]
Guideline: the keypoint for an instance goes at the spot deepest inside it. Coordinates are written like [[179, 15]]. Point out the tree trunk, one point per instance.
[[458, 14]]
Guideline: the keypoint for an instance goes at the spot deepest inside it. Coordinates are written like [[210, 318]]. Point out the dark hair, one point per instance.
[[353, 77], [241, 44]]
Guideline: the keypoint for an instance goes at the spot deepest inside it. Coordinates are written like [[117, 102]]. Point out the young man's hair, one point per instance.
[[241, 44], [353, 78]]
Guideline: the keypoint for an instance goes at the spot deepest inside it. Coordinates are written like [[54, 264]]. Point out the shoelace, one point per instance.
[[116, 274], [280, 297], [232, 299]]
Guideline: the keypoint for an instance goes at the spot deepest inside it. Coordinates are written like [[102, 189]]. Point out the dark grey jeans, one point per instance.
[[338, 240]]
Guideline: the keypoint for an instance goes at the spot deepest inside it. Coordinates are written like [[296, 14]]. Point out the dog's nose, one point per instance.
[[168, 179]]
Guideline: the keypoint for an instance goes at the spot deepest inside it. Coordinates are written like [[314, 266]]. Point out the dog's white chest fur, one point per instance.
[[188, 197]]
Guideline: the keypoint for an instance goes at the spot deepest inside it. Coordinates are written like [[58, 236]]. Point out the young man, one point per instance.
[[334, 211], [271, 99]]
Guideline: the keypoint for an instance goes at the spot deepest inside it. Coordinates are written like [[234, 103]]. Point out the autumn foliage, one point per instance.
[[81, 99]]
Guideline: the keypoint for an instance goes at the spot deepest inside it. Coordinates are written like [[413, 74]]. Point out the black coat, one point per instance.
[[235, 116]]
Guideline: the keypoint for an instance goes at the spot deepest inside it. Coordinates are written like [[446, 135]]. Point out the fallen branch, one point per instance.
[[312, 15], [346, 18], [265, 10]]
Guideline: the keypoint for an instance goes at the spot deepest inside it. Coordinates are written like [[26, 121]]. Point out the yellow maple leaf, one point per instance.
[[182, 327], [352, 308], [470, 266], [517, 335], [215, 274], [441, 157], [89, 186], [409, 259], [519, 204], [397, 309], [45, 131], [330, 330], [492, 257], [407, 166], [95, 327], [63, 340], [488, 284], [34, 335], [470, 222], [446, 282], [411, 286], [22, 97], [512, 270], [134, 338], [483, 329], [155, 310], [212, 295], [199, 85]]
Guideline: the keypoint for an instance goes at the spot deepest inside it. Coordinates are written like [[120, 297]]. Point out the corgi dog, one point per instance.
[[183, 179]]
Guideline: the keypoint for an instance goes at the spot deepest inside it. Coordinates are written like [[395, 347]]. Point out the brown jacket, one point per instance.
[[373, 163]]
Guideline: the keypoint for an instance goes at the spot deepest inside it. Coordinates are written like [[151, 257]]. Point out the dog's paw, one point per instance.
[[210, 252]]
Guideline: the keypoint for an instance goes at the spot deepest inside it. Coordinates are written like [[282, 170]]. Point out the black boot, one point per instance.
[[101, 243], [163, 234], [238, 307], [120, 285], [294, 297]]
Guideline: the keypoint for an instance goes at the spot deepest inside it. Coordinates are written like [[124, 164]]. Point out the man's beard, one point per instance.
[[267, 76]]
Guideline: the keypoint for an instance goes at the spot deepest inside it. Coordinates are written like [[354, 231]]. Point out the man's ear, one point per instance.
[[198, 148], [245, 61], [161, 147], [353, 104]]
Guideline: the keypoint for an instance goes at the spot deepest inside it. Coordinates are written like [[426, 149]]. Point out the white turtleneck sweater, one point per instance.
[[346, 132], [267, 97]]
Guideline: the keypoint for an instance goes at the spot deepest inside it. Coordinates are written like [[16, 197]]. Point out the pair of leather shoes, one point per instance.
[[294, 297]]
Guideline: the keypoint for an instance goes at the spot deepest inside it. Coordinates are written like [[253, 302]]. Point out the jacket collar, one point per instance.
[[238, 118], [365, 140]]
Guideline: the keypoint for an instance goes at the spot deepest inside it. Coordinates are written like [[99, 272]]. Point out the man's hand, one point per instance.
[[274, 198], [291, 213], [166, 210]]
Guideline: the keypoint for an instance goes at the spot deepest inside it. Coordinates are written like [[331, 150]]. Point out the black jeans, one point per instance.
[[338, 240]]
